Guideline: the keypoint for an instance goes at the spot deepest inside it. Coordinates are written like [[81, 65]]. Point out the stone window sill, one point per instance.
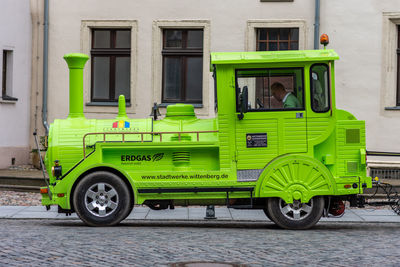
[[8, 100], [392, 108], [164, 105], [106, 104]]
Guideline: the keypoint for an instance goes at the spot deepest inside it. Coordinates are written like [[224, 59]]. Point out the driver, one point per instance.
[[288, 99]]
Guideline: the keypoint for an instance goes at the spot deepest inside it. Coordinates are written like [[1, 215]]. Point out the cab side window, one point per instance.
[[271, 89], [320, 98]]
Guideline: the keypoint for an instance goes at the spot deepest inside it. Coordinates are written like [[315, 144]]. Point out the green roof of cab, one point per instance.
[[272, 56]]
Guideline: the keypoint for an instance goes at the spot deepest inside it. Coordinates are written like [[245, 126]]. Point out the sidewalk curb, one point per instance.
[[195, 216], [198, 223]]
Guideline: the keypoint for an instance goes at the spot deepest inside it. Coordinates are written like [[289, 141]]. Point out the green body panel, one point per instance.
[[307, 154], [296, 177]]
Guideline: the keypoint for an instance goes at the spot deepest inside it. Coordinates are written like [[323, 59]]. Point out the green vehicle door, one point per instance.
[[275, 122]]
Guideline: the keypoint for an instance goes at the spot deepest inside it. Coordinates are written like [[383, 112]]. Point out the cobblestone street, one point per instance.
[[69, 242]]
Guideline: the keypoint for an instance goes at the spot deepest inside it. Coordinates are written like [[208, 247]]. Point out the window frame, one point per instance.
[[391, 22], [206, 108], [7, 76], [4, 75], [253, 25], [278, 40], [112, 53], [274, 109], [109, 108], [183, 53], [329, 88], [398, 67]]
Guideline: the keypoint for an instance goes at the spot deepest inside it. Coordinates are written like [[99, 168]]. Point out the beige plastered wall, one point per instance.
[[361, 31], [15, 32], [225, 29], [365, 37]]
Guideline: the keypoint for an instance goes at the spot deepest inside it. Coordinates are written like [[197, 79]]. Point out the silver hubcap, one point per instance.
[[101, 199], [296, 211]]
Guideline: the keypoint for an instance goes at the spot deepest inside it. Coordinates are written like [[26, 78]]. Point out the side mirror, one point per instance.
[[243, 102]]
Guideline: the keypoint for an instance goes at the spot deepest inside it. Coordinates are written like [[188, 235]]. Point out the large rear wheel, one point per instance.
[[296, 215], [102, 199]]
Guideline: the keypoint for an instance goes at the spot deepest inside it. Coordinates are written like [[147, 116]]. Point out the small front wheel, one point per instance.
[[102, 199], [296, 215]]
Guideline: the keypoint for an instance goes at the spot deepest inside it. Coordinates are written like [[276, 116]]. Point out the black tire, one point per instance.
[[266, 210], [129, 211], [267, 214], [102, 199], [296, 216]]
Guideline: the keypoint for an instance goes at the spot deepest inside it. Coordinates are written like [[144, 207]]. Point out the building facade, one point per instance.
[[158, 52], [15, 77]]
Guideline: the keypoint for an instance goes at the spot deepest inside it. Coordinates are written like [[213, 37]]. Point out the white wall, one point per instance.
[[15, 35], [357, 33], [228, 21]]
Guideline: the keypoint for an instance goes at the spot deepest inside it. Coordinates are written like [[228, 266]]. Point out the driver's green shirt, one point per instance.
[[291, 102]]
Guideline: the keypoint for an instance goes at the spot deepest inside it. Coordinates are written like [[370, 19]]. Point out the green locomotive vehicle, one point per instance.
[[277, 143]]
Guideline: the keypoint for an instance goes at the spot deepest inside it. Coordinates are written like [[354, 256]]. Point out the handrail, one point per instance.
[[141, 136]]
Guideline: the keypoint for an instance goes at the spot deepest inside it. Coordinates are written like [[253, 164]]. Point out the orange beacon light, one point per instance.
[[324, 39]]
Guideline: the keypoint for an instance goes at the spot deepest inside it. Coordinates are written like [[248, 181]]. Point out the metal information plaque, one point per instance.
[[256, 140]]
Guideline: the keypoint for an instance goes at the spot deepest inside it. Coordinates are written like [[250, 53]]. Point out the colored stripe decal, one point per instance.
[[121, 124]]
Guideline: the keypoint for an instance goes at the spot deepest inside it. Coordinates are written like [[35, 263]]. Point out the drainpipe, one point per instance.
[[316, 24], [45, 64]]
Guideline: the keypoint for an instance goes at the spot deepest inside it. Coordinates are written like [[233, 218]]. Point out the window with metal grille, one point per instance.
[[182, 54], [274, 39], [111, 57]]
